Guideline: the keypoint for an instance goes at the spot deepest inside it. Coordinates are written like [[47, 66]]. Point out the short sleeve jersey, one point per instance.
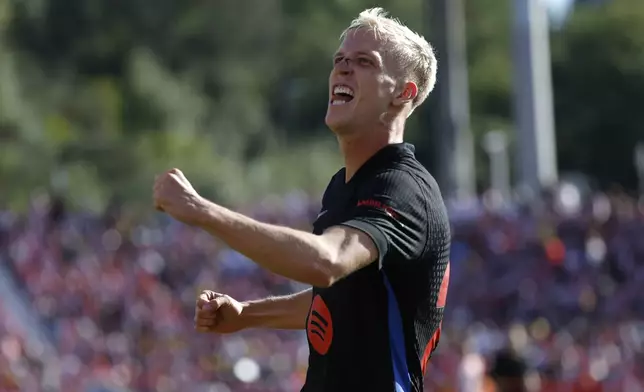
[[376, 329]]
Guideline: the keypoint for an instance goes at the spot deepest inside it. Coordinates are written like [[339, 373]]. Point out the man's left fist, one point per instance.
[[174, 195]]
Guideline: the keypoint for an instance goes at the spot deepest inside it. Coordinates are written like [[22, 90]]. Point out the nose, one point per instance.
[[344, 67]]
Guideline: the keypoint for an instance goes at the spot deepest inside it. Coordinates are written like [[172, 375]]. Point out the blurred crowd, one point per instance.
[[548, 292]]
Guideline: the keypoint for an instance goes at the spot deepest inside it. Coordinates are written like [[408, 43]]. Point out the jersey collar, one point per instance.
[[386, 156]]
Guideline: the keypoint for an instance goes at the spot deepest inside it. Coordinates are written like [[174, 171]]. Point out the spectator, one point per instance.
[[117, 299]]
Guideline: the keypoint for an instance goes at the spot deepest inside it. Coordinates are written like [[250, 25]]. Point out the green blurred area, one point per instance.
[[98, 96]]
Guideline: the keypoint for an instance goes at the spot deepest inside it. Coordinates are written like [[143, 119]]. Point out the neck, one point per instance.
[[358, 147]]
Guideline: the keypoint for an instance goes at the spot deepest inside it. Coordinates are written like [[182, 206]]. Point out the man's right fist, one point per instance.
[[218, 313], [174, 195]]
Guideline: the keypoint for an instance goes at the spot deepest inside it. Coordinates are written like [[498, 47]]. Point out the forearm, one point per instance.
[[287, 312], [294, 254]]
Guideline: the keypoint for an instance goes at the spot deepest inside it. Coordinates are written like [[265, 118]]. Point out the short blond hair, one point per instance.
[[412, 51]]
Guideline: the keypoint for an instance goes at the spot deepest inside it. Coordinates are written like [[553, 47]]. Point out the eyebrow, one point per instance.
[[371, 55]]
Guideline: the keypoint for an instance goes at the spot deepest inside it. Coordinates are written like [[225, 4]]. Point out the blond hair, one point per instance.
[[415, 56]]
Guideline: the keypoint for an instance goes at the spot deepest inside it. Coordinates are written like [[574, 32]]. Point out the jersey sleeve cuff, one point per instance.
[[377, 236]]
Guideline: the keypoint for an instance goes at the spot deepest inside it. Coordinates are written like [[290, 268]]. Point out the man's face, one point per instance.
[[361, 87]]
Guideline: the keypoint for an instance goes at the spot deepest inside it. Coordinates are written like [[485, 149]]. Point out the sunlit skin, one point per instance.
[[375, 115]]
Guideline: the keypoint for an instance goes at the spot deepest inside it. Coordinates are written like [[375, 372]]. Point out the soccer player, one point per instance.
[[377, 259]]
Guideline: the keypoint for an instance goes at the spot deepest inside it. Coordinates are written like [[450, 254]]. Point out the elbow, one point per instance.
[[322, 281], [326, 273]]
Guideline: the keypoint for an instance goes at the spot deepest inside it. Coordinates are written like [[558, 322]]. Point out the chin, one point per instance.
[[335, 124], [336, 120]]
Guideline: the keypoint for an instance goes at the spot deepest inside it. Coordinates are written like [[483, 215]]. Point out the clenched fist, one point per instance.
[[218, 313], [174, 195]]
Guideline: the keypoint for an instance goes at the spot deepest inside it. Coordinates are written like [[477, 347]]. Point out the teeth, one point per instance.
[[337, 102], [342, 90]]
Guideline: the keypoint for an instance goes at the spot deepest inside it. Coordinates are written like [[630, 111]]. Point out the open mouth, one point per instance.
[[341, 95]]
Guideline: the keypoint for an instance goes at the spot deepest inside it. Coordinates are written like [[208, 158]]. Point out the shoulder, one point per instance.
[[397, 195], [410, 194], [406, 184], [416, 180]]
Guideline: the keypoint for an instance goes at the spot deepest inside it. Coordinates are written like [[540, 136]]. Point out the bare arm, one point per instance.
[[319, 260], [286, 312]]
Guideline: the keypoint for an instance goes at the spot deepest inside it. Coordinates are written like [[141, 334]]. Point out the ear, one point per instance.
[[407, 95]]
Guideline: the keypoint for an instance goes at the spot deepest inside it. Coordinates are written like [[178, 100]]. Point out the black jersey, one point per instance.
[[375, 330]]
